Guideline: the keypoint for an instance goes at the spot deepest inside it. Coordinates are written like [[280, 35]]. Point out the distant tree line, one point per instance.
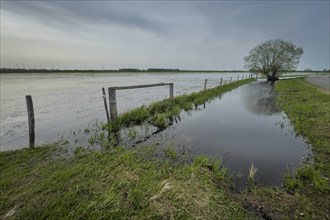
[[310, 70], [22, 70]]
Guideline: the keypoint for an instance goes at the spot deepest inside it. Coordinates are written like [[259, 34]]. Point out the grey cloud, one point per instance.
[[201, 33], [77, 14], [270, 17]]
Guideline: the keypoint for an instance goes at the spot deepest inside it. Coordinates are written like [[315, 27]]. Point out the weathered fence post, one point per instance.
[[105, 104], [231, 78], [221, 81], [205, 84], [237, 77], [112, 104], [30, 112], [171, 90]]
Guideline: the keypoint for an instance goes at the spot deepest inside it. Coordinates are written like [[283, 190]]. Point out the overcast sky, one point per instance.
[[210, 35]]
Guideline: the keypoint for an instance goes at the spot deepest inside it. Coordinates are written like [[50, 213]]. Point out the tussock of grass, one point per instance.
[[305, 175], [252, 172], [113, 184]]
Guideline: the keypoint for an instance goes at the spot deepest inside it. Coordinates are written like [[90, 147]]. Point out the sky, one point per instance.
[[202, 35]]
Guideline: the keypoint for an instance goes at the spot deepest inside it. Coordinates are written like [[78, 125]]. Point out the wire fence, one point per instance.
[[63, 109]]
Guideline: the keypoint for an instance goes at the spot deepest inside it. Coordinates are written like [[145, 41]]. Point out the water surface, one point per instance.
[[65, 102], [242, 127]]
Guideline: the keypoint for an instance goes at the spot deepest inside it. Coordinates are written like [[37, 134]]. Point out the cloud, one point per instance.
[[169, 34], [78, 14]]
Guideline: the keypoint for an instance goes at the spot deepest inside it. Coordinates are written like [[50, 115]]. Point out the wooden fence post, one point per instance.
[[112, 104], [105, 104], [30, 111], [231, 78], [237, 77], [205, 84], [221, 81], [171, 90]]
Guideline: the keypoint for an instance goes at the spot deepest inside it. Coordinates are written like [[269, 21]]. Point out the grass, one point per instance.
[[171, 153], [111, 184], [252, 172], [309, 110], [306, 175]]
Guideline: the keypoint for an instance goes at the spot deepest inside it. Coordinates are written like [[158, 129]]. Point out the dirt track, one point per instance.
[[320, 81]]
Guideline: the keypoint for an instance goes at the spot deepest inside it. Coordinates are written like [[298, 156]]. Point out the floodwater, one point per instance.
[[65, 102], [241, 127]]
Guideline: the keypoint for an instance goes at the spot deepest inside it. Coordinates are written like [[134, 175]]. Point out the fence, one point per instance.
[[110, 104], [113, 100], [222, 82]]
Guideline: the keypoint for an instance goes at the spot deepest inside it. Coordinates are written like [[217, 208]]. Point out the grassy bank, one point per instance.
[[112, 184], [309, 111]]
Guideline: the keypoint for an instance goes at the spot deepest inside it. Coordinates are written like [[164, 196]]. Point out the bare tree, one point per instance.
[[272, 57]]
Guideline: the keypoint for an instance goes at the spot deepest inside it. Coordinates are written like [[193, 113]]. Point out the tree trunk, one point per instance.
[[273, 77]]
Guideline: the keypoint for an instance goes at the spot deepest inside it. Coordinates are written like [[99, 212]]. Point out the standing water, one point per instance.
[[65, 102], [241, 127]]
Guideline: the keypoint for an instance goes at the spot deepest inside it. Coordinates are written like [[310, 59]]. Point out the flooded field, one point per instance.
[[242, 127], [67, 102]]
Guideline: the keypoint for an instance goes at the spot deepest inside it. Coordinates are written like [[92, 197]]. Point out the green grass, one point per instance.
[[112, 184], [252, 173], [306, 175], [171, 153], [309, 110]]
